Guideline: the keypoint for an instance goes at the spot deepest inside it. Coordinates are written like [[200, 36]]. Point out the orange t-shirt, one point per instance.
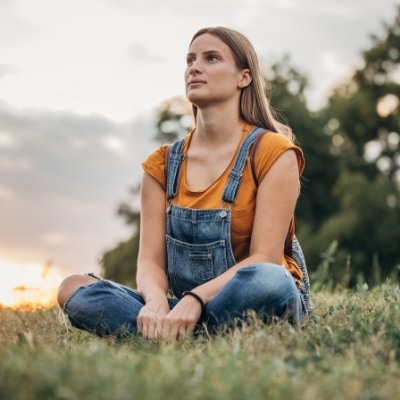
[[272, 145]]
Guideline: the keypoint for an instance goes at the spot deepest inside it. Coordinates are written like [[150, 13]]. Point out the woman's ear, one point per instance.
[[245, 78]]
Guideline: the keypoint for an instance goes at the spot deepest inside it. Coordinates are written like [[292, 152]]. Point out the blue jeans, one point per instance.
[[108, 308]]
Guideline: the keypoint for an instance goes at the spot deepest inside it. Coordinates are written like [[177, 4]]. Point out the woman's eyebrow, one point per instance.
[[203, 52]]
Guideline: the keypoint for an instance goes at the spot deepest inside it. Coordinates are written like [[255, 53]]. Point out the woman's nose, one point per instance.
[[194, 68]]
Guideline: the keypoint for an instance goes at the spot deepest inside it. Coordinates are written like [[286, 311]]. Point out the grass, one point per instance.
[[350, 349]]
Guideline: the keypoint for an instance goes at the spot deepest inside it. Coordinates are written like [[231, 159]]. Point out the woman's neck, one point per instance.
[[217, 128]]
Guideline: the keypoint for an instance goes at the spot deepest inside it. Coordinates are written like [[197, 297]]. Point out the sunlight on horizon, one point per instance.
[[28, 285]]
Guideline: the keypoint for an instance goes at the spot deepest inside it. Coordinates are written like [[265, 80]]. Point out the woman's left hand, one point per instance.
[[180, 322]]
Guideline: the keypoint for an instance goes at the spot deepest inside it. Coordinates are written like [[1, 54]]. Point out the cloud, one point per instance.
[[14, 28], [62, 177], [6, 70], [120, 66], [54, 238], [7, 140], [141, 54], [6, 193], [179, 8]]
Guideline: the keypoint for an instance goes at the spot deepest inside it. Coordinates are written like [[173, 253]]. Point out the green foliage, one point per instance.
[[362, 119], [349, 349], [321, 278], [119, 263], [173, 120], [288, 99], [130, 211], [368, 230]]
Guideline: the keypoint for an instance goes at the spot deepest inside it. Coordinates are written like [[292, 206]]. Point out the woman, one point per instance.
[[212, 238]]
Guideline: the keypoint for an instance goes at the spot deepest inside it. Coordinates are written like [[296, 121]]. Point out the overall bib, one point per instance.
[[199, 241]]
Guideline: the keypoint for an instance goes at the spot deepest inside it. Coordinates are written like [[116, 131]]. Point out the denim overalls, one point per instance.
[[199, 241], [198, 250]]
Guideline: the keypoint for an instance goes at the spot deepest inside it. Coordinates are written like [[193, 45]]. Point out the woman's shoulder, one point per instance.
[[156, 161], [156, 155], [154, 164], [276, 139], [271, 146]]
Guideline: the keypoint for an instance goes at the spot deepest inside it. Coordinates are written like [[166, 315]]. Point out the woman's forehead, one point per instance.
[[207, 42]]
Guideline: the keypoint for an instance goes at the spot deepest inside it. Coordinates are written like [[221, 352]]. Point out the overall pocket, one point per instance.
[[190, 265]]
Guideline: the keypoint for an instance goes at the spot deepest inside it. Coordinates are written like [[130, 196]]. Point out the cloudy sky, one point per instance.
[[80, 81]]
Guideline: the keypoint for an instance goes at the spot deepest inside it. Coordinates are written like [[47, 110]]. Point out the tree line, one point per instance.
[[348, 214]]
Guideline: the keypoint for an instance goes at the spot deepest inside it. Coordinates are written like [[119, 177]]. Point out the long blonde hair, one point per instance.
[[254, 105]]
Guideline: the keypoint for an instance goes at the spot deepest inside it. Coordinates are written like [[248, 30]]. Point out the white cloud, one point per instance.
[[15, 163], [122, 58], [114, 143], [60, 186], [7, 140], [54, 238], [7, 193]]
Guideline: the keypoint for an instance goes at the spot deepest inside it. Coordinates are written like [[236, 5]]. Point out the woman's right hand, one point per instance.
[[150, 319]]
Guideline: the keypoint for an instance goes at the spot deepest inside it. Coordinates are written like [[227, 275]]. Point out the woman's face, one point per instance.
[[211, 75]]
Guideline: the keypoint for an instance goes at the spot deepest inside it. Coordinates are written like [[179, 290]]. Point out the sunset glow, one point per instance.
[[28, 285]]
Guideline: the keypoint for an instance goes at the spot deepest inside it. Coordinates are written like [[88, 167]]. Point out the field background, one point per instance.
[[350, 349]]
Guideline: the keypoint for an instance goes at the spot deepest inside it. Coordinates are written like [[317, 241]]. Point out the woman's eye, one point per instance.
[[212, 58], [189, 61]]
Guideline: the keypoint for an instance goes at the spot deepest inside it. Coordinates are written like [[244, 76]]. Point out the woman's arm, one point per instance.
[[151, 275]]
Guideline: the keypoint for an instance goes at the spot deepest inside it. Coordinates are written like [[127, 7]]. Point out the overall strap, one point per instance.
[[173, 159], [253, 151], [235, 175], [250, 145]]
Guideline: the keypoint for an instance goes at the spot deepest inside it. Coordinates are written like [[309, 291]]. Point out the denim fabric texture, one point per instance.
[[108, 308]]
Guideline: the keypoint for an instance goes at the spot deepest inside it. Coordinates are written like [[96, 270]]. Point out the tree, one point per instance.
[[119, 264], [174, 120], [362, 117], [288, 98]]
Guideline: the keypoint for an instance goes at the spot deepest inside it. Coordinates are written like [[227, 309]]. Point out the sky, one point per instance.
[[80, 84]]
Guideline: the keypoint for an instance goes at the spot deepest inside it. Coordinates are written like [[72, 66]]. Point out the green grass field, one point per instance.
[[350, 349]]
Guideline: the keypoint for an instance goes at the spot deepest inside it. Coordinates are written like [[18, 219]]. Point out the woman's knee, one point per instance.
[[69, 285], [267, 279], [264, 272]]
